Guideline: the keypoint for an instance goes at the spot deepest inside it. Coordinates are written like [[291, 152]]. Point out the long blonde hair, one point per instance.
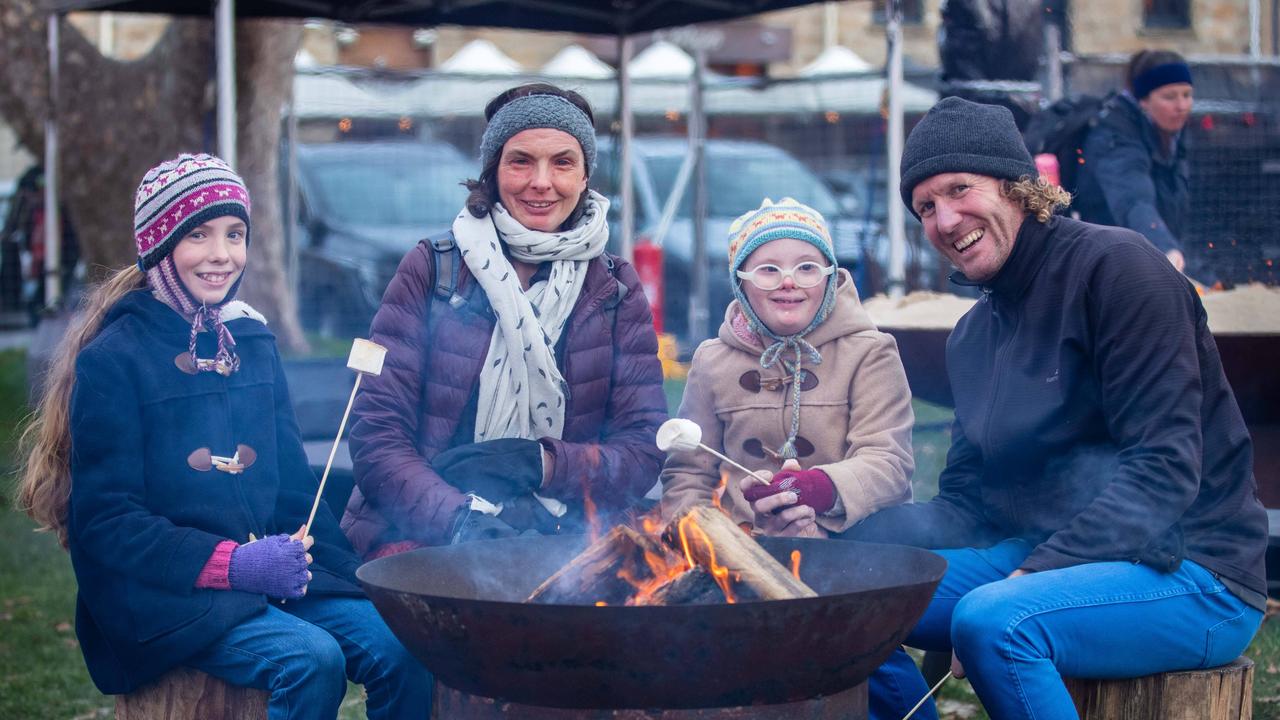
[[44, 486]]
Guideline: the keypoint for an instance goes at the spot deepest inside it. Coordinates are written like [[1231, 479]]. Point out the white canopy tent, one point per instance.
[[481, 57], [835, 60], [322, 94], [576, 61], [584, 16]]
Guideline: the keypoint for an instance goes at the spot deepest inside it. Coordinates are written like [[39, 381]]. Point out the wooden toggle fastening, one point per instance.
[[202, 459], [752, 382]]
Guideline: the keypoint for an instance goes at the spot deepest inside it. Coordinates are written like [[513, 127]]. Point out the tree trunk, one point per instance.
[[116, 120], [264, 77], [1221, 693], [186, 693]]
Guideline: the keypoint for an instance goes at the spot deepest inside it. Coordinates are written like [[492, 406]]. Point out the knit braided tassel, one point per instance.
[[225, 361], [767, 360]]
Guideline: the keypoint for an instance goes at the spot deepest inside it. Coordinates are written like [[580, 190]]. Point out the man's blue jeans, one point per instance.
[[304, 651], [1017, 638]]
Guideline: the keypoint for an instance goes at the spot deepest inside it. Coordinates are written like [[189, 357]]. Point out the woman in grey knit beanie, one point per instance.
[[533, 389]]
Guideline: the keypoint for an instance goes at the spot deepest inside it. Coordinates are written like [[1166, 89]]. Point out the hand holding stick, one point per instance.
[[681, 434], [366, 359]]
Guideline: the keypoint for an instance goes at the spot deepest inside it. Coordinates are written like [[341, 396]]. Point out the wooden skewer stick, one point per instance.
[[366, 359], [680, 434], [927, 695], [722, 456]]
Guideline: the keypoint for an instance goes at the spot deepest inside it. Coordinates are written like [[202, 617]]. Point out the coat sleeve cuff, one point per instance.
[[216, 574]]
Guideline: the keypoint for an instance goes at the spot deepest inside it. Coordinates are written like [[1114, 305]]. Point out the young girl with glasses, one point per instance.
[[799, 385]]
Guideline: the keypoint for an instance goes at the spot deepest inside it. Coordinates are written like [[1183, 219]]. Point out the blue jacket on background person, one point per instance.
[[1127, 180]]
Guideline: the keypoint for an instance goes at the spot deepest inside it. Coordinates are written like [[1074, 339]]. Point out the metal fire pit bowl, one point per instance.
[[459, 610]]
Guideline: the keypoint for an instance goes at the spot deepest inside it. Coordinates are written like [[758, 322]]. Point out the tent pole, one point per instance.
[[1255, 29], [700, 296], [897, 234], [225, 42], [626, 130], [52, 218]]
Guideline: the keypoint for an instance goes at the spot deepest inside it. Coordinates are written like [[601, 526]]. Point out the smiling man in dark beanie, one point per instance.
[[1098, 509]]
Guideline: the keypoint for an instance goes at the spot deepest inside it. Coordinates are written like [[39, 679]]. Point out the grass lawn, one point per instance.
[[42, 674]]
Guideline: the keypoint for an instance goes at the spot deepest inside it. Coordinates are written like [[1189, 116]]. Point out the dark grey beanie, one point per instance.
[[961, 136]]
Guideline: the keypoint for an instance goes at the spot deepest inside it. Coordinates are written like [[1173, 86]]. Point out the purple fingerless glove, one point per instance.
[[275, 566], [813, 488]]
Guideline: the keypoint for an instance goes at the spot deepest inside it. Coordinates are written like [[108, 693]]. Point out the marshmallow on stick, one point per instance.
[[366, 359], [681, 435]]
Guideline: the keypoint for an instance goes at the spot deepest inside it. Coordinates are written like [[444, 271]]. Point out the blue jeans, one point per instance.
[[304, 651], [1018, 637]]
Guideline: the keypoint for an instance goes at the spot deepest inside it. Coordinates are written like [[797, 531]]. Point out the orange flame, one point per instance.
[[795, 563], [601, 603], [719, 573], [593, 517], [718, 494], [651, 525]]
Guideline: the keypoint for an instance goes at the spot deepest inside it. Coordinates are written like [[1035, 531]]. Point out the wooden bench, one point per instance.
[[1221, 693], [185, 694]]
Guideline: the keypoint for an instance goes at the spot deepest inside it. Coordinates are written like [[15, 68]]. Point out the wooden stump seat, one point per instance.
[[1221, 693], [186, 694]]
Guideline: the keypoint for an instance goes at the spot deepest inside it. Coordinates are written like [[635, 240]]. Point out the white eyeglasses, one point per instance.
[[769, 277]]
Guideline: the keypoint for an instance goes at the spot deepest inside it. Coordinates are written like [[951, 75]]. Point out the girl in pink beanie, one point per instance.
[[166, 457]]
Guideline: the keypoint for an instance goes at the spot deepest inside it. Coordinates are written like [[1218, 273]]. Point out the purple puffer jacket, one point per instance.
[[410, 413]]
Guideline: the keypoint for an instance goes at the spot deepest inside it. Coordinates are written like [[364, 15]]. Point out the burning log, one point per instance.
[[711, 540], [691, 587], [606, 572]]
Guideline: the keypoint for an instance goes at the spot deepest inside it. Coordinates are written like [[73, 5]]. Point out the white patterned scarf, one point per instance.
[[522, 393]]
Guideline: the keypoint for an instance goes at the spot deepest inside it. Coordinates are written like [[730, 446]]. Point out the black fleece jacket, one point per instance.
[[1093, 418]]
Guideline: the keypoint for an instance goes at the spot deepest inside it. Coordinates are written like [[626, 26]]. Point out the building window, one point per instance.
[[912, 11], [1167, 13]]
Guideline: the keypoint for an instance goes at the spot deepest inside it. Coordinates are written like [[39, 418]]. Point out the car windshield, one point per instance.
[[392, 193], [737, 183]]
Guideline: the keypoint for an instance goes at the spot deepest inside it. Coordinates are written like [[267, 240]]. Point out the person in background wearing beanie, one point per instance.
[[1098, 508], [166, 456], [799, 385], [522, 385], [1135, 172]]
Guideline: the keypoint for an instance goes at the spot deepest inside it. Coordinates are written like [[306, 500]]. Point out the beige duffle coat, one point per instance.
[[855, 416]]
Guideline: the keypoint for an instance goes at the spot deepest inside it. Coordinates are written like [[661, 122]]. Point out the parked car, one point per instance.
[[740, 173], [363, 205]]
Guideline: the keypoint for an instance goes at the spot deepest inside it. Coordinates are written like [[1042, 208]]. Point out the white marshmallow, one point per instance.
[[679, 434], [366, 357]]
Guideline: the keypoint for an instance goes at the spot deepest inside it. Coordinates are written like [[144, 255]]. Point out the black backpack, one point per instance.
[[1060, 130]]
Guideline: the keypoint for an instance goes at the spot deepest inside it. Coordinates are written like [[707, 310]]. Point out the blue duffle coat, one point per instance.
[[145, 516]]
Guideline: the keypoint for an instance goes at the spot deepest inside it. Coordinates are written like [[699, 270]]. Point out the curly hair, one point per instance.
[[1036, 196]]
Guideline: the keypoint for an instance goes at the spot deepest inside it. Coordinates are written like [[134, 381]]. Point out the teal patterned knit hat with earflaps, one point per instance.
[[785, 219]]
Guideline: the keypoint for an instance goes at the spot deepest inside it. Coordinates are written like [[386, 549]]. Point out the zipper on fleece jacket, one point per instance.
[[1003, 341]]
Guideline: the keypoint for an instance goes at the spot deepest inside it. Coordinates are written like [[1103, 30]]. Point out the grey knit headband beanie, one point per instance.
[[538, 111], [961, 136]]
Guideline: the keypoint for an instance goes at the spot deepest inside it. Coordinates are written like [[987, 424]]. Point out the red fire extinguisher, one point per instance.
[[648, 264], [1047, 166]]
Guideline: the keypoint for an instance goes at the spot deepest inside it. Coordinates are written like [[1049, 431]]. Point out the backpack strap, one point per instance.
[[446, 258], [611, 305]]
